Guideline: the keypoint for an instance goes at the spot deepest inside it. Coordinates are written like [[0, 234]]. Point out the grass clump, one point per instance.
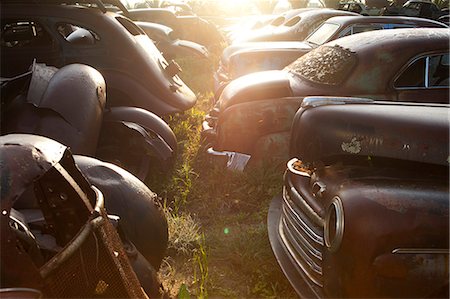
[[218, 243]]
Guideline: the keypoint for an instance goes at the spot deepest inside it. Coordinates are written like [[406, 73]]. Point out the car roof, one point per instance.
[[348, 20], [381, 53], [411, 39]]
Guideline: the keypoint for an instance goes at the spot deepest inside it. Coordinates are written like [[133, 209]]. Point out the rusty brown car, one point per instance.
[[364, 211], [254, 113], [57, 239]]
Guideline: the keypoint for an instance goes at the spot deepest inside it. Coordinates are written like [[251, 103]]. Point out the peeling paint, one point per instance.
[[352, 147]]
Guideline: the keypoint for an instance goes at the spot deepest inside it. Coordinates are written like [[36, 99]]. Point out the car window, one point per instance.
[[426, 72], [130, 26], [439, 70], [76, 34], [325, 65], [358, 28], [396, 26], [292, 21], [24, 34], [323, 33]]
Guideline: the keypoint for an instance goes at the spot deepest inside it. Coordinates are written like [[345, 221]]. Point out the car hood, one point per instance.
[[414, 132]]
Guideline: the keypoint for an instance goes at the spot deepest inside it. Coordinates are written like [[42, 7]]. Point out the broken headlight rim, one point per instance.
[[334, 225]]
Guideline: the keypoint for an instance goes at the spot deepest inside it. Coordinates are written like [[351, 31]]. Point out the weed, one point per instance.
[[201, 269]]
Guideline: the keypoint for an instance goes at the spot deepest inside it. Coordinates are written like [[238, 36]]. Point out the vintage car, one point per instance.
[[254, 113], [59, 33], [244, 58], [68, 105], [56, 236], [364, 211], [296, 28]]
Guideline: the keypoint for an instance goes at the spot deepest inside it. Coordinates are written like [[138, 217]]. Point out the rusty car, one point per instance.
[[296, 28], [364, 209], [68, 105], [58, 241], [240, 59], [63, 32], [253, 116]]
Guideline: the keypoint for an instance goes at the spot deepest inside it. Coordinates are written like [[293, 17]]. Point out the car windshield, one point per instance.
[[324, 65], [323, 33]]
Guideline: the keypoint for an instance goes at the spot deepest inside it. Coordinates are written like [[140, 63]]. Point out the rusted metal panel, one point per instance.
[[380, 129]]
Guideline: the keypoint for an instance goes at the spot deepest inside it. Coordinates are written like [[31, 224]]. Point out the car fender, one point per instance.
[[144, 118], [141, 217], [124, 90], [66, 105]]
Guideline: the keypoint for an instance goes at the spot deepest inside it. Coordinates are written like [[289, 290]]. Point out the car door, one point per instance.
[[425, 79]]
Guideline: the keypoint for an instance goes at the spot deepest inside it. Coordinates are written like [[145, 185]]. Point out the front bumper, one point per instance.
[[294, 274]]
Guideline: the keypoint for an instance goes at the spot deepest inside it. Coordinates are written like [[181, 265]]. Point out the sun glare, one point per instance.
[[233, 7]]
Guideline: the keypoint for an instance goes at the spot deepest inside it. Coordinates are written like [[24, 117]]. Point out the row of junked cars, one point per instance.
[[362, 123], [86, 74]]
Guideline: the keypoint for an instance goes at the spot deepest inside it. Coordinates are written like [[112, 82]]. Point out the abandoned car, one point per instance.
[[297, 28], [58, 33], [254, 113], [56, 237], [364, 211], [68, 105], [241, 59]]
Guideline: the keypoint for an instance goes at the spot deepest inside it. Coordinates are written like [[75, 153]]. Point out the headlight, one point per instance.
[[334, 224]]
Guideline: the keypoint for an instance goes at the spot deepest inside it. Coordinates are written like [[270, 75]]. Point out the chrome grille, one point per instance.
[[301, 231]]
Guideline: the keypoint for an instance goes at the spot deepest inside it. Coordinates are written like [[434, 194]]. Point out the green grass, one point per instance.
[[218, 244]]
